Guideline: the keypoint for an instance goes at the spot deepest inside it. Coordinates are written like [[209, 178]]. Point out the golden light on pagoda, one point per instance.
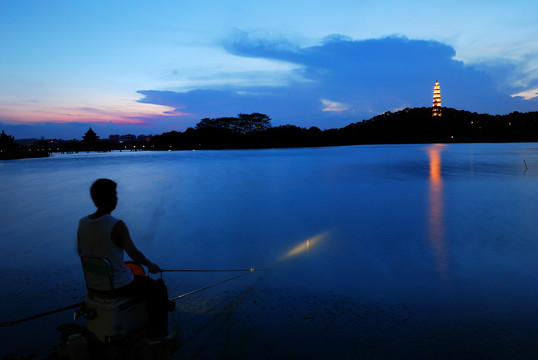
[[436, 108]]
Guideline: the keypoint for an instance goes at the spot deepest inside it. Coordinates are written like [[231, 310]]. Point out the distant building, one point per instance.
[[144, 138], [129, 138], [436, 108], [90, 137]]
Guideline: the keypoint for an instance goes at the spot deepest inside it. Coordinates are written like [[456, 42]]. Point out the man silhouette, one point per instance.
[[100, 234]]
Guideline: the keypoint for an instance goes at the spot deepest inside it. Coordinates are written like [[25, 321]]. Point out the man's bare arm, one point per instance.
[[122, 239]]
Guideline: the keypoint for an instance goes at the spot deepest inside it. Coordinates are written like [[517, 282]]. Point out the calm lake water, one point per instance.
[[418, 251]]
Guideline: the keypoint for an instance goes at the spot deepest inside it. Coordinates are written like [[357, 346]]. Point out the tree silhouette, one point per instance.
[[242, 124], [253, 122], [7, 142]]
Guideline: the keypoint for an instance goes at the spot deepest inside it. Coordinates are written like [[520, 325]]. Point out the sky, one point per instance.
[[148, 67]]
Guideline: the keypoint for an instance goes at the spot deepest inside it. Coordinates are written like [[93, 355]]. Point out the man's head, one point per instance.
[[103, 193]]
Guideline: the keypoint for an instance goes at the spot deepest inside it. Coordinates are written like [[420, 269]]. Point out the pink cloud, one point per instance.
[[133, 113]]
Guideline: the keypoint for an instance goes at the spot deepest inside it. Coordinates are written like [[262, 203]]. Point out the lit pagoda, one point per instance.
[[436, 108]]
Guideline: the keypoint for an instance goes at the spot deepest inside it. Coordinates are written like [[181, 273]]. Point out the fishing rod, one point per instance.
[[42, 314], [206, 270], [210, 286], [79, 304]]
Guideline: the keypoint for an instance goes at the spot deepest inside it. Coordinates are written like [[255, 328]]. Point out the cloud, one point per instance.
[[528, 94], [514, 65], [367, 77], [67, 123], [333, 106]]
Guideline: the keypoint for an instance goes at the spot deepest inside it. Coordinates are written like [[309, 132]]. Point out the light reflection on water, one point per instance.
[[435, 197], [448, 229]]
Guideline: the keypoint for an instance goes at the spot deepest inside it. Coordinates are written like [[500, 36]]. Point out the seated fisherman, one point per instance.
[[100, 234]]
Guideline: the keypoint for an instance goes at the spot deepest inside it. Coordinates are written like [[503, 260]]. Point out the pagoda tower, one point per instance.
[[436, 108]]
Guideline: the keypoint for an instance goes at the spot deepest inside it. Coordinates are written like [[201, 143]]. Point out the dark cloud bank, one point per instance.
[[362, 79]]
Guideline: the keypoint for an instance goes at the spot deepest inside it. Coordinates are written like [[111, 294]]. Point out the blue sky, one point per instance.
[[146, 67]]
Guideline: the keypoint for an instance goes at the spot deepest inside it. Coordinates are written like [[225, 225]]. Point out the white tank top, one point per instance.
[[94, 238]]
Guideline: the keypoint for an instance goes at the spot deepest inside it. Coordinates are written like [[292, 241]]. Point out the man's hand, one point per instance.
[[154, 268]]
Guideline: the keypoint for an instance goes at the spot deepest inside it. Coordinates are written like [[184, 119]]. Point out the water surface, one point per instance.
[[372, 250]]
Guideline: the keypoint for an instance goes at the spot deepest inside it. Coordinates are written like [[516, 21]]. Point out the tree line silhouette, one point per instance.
[[9, 149], [410, 125], [414, 125]]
